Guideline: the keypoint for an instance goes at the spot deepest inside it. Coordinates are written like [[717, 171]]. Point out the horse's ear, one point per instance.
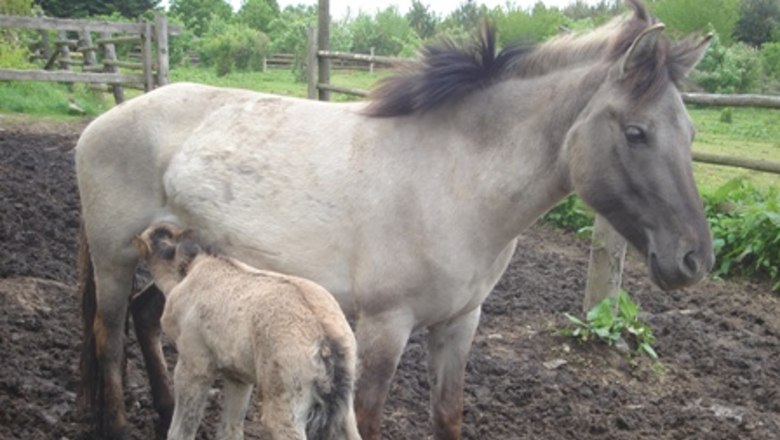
[[141, 246], [642, 49], [687, 54]]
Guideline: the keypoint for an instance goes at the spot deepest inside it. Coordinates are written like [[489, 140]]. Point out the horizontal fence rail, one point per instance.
[[75, 25]]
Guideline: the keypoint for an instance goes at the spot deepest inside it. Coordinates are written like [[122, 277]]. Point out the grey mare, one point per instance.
[[407, 207]]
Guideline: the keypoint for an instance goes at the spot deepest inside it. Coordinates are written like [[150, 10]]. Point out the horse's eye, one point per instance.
[[635, 135]]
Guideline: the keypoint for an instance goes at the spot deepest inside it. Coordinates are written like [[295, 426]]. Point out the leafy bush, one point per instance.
[[728, 69], [610, 321], [572, 215], [745, 224], [13, 55], [229, 46]]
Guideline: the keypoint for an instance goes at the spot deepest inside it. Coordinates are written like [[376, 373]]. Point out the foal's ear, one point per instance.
[[642, 49], [141, 246]]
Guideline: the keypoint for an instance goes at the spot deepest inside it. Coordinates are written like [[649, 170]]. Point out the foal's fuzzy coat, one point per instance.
[[284, 333]]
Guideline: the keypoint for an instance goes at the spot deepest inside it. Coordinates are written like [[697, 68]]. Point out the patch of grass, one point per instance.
[[753, 133], [277, 81], [50, 99]]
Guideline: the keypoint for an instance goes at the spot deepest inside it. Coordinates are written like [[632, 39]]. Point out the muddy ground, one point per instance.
[[719, 342]]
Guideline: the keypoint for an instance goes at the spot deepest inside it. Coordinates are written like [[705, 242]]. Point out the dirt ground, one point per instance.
[[719, 342]]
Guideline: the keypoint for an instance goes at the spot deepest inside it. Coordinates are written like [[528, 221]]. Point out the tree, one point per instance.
[[258, 14], [758, 20], [86, 8], [197, 14], [687, 16], [518, 26], [422, 20]]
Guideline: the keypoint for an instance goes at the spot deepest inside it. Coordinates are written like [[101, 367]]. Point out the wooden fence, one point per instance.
[[608, 248], [91, 47]]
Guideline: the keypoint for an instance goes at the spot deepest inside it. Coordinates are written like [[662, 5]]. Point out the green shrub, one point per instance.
[[745, 224], [229, 46], [572, 215], [728, 69], [13, 55]]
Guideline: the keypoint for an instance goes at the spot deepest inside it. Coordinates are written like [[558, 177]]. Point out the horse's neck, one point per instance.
[[517, 129]]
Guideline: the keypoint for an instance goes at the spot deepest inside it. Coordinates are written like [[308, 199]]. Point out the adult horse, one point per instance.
[[407, 209]]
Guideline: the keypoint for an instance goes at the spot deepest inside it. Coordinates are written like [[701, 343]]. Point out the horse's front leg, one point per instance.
[[381, 341], [448, 349], [147, 308]]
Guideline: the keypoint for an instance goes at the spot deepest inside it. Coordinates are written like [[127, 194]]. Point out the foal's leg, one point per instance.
[[147, 308], [192, 379], [448, 349], [380, 345], [234, 406]]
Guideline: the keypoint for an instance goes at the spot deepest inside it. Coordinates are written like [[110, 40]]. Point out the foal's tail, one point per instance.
[[88, 390], [331, 416]]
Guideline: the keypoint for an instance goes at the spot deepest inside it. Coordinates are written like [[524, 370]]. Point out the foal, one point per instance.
[[286, 334]]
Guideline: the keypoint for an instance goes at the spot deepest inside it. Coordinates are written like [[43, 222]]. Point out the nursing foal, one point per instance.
[[284, 333]]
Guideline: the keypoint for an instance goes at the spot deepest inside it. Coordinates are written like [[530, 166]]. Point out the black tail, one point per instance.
[[88, 390], [327, 416]]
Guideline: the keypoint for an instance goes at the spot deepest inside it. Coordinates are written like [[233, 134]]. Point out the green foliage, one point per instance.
[[16, 7], [198, 14], [258, 14], [770, 59], [758, 21], [517, 25], [727, 115], [745, 223], [13, 55], [572, 215], [688, 16], [89, 8], [388, 32], [229, 46], [422, 20], [728, 69], [610, 321], [288, 34]]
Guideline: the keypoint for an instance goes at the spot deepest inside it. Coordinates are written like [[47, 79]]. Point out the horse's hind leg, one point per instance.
[[147, 308], [114, 286], [448, 349], [234, 407]]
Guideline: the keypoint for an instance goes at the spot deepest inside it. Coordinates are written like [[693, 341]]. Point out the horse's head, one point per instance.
[[629, 153], [168, 251]]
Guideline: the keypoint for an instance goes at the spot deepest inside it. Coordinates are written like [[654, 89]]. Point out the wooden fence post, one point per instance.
[[146, 57], [109, 54], [605, 270], [323, 43], [311, 63], [64, 49], [161, 36], [371, 64]]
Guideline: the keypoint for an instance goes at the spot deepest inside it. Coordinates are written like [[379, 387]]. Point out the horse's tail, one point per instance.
[[331, 415], [88, 389]]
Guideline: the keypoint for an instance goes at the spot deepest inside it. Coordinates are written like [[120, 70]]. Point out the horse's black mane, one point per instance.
[[447, 70]]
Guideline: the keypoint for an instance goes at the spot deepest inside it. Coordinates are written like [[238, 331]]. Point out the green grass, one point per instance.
[[50, 99], [753, 133]]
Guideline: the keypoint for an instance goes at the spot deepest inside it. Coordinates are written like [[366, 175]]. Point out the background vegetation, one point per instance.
[[224, 47]]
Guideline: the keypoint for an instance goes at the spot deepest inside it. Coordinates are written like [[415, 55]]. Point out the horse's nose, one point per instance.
[[694, 264]]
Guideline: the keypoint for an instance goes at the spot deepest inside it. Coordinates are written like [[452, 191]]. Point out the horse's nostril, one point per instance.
[[691, 263]]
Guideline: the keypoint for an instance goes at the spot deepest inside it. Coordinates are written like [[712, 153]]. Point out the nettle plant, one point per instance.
[[612, 320]]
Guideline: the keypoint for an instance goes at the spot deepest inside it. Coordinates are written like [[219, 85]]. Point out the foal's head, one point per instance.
[[168, 250]]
